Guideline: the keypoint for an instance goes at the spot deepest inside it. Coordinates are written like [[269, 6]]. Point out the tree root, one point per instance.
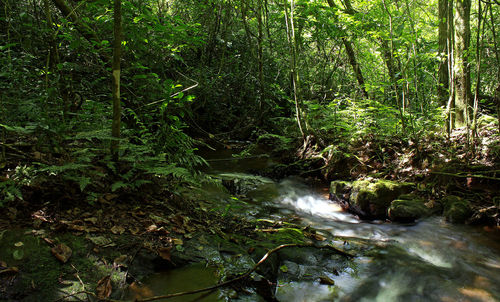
[[241, 277]]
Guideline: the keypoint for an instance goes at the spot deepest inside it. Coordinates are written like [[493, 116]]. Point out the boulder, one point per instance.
[[456, 209], [369, 199], [407, 208]]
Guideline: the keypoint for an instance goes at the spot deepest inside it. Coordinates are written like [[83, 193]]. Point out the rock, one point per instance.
[[407, 208], [340, 187], [456, 209], [369, 199], [242, 184]]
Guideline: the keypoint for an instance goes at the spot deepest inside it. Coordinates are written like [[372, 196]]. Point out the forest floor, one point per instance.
[[104, 238]]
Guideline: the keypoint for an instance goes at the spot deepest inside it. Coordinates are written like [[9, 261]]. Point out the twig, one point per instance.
[[241, 277], [464, 176], [79, 279]]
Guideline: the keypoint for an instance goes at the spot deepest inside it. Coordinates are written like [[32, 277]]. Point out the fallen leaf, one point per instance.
[[9, 271], [62, 252], [18, 254], [92, 220], [118, 230], [104, 288], [49, 241], [179, 230], [178, 241], [101, 241], [158, 219], [152, 228], [110, 196], [19, 244], [134, 230], [164, 253], [121, 260]]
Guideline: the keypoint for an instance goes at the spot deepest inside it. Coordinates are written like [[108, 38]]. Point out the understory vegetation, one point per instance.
[[113, 104]]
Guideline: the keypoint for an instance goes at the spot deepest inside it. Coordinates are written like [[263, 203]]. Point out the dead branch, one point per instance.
[[245, 275]]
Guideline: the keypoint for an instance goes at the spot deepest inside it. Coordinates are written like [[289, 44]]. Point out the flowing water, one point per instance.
[[431, 260], [428, 261]]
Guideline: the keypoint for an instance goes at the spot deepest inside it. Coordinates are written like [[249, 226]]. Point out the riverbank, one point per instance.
[[113, 246]]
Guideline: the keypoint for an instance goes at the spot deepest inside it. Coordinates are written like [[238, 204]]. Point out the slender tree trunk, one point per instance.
[[497, 56], [350, 52], [293, 64], [479, 46], [260, 57], [115, 128], [461, 62], [389, 62], [443, 77], [355, 66], [70, 13], [450, 107]]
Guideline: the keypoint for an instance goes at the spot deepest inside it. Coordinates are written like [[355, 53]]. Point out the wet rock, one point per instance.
[[242, 184], [369, 199], [456, 209], [407, 208]]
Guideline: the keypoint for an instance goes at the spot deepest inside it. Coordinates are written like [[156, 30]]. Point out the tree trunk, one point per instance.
[[389, 62], [443, 77], [260, 58], [293, 64], [70, 13], [461, 63], [115, 128], [350, 53], [355, 66], [450, 106]]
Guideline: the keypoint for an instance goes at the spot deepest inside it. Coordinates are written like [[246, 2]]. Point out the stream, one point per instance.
[[431, 260]]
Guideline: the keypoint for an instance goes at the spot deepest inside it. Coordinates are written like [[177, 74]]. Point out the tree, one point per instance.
[[115, 128], [463, 99], [443, 77], [350, 53], [292, 42]]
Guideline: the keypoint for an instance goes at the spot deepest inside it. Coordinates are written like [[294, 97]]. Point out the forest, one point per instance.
[[249, 150]]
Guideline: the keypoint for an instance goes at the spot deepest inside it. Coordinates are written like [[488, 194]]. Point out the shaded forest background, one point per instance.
[[417, 81]]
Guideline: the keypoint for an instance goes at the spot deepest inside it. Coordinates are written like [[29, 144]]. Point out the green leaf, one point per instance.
[[117, 185], [18, 254], [284, 268]]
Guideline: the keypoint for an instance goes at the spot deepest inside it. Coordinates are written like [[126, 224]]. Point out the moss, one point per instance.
[[339, 187], [456, 209], [42, 277], [407, 208], [286, 236], [373, 198]]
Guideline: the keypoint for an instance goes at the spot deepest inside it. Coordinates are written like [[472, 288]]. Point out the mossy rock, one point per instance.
[[286, 236], [456, 209], [371, 199], [340, 187], [407, 208], [242, 184]]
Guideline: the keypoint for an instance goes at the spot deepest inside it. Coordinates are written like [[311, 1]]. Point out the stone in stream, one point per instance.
[[456, 209], [242, 184], [407, 208], [369, 199]]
